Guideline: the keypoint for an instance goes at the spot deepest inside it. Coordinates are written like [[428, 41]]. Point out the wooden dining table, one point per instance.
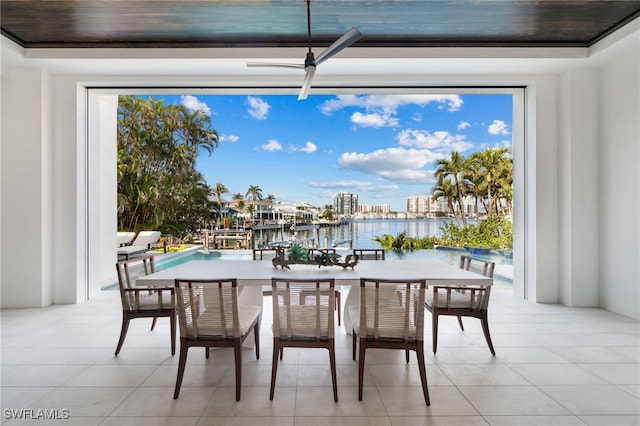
[[252, 276]]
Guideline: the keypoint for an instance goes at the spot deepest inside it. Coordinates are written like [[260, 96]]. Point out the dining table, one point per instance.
[[253, 276]]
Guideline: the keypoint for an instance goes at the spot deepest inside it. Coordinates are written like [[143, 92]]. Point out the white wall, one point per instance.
[[26, 177], [102, 193], [619, 162], [578, 231]]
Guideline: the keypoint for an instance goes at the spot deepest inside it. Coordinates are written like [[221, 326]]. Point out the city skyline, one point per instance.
[[382, 147]]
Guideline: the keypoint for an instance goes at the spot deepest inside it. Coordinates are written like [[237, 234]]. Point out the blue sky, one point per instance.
[[381, 147]]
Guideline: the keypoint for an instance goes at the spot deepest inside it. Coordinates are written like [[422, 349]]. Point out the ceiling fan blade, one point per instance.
[[306, 84], [343, 42], [270, 64]]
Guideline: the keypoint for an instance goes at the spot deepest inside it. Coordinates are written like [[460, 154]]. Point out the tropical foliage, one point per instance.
[[487, 176], [494, 232], [158, 184]]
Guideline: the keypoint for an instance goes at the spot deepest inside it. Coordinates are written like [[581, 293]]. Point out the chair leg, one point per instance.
[[406, 355], [123, 331], [172, 324], [274, 367], [256, 338], [332, 362], [181, 365], [237, 349], [434, 330], [354, 345], [361, 369], [485, 329], [338, 306], [153, 323], [423, 372], [206, 352], [460, 322]]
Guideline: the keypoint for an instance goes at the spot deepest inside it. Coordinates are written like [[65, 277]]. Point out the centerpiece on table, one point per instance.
[[296, 254]]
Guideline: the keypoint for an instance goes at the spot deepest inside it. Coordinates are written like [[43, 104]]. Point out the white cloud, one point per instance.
[[463, 125], [308, 147], [395, 164], [271, 145], [382, 110], [498, 127], [374, 120], [193, 104], [355, 185], [442, 141], [416, 117], [258, 108], [389, 103], [229, 138]]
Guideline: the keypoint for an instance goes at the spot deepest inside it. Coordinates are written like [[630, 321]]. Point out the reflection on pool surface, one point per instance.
[[502, 276]]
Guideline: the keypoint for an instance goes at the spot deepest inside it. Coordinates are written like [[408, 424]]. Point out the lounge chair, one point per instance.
[[142, 244], [125, 238]]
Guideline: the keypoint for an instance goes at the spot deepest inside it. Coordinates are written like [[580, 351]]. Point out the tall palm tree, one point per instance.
[[254, 193], [455, 168], [220, 189], [492, 167], [445, 189], [157, 149], [270, 198]]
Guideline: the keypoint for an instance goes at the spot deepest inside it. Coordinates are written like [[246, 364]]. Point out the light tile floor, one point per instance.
[[554, 366]]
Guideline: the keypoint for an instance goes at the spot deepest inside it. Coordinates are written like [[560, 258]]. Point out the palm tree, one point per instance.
[[492, 167], [445, 189], [270, 198], [157, 148], [220, 189], [455, 168], [327, 212], [254, 193]]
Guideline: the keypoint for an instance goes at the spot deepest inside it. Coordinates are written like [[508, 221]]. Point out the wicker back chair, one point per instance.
[[381, 321], [338, 303], [303, 318], [463, 301], [143, 302], [209, 316]]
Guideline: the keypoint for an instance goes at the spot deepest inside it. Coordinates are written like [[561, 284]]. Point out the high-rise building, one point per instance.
[[421, 204], [345, 203]]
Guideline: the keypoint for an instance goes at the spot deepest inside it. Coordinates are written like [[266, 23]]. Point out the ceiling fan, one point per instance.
[[311, 62]]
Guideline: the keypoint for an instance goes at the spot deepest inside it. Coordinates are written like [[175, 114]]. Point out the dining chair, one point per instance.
[[210, 316], [463, 300], [381, 322], [338, 303], [369, 254], [143, 302], [303, 318]]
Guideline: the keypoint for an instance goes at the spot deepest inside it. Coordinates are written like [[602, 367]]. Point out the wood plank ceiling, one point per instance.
[[282, 23]]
